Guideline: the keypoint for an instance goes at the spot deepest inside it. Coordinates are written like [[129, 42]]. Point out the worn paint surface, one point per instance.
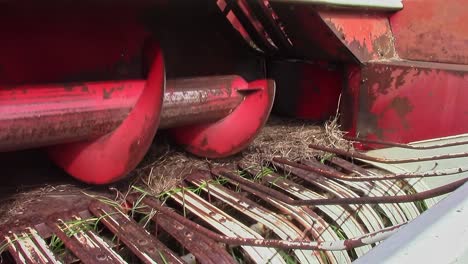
[[238, 129], [198, 100], [404, 102], [368, 37], [112, 156], [44, 115], [432, 30]]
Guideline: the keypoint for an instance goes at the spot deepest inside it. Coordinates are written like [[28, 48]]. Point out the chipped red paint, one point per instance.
[[234, 132], [367, 37], [432, 30], [409, 101]]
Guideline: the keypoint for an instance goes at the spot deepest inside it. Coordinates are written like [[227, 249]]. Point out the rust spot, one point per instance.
[[68, 87], [107, 93], [402, 106], [400, 80], [384, 46], [204, 142]]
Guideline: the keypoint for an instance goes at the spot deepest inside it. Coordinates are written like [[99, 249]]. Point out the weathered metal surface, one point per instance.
[[138, 240], [367, 37], [311, 37], [44, 115], [359, 155], [278, 224], [198, 100], [343, 201], [240, 127], [111, 157], [84, 244], [29, 247], [392, 212], [365, 213], [401, 211], [226, 224], [390, 101], [405, 146], [338, 214], [312, 223], [432, 30], [336, 175], [313, 218], [204, 249], [366, 239]]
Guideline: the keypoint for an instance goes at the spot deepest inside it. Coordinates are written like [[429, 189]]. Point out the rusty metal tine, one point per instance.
[[279, 225], [29, 247], [310, 221], [86, 245], [444, 189], [378, 188], [204, 249], [358, 155], [333, 174], [312, 224], [347, 244], [227, 225], [146, 247], [396, 213], [367, 215], [391, 187], [338, 214], [402, 145]]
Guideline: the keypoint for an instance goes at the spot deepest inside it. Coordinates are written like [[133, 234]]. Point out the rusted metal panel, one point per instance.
[[85, 244], [368, 37], [310, 35], [402, 102], [366, 239], [29, 247], [226, 224], [432, 30], [204, 249], [138, 240], [338, 214], [279, 225]]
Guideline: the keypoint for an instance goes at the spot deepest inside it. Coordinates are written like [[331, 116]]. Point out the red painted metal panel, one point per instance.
[[432, 30], [368, 37], [410, 101]]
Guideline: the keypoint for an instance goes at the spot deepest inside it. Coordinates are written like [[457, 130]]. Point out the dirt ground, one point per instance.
[[29, 178]]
